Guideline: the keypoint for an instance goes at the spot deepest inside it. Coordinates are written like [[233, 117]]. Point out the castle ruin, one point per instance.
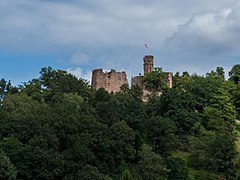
[[148, 66], [110, 81]]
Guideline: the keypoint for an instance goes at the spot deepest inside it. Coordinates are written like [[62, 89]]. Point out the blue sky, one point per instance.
[[78, 36]]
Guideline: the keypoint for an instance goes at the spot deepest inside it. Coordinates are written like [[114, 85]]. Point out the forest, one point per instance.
[[57, 127]]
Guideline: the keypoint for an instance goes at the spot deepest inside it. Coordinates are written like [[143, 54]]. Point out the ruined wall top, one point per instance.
[[110, 81], [148, 63]]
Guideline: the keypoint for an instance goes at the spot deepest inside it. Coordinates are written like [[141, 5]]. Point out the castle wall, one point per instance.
[[148, 67], [148, 63], [169, 79], [137, 81], [110, 81]]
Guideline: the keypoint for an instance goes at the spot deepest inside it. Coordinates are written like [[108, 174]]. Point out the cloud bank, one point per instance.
[[80, 73], [44, 23], [188, 35], [207, 40], [79, 58], [211, 33]]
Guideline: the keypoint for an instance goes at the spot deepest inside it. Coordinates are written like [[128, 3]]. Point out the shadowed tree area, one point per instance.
[[57, 127]]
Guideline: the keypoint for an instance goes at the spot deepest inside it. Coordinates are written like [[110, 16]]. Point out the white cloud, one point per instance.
[[206, 40], [49, 25], [80, 73], [79, 58], [212, 32], [113, 33]]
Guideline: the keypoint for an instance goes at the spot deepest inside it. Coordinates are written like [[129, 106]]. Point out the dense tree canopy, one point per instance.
[[57, 127], [234, 74]]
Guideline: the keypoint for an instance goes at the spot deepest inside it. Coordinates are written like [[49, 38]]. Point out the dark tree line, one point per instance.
[[57, 127]]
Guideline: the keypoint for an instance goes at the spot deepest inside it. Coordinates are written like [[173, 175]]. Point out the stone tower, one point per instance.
[[148, 64], [169, 76], [110, 81]]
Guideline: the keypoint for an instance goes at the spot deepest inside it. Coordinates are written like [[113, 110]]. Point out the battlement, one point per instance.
[[97, 70], [148, 58], [148, 66], [148, 63], [110, 81]]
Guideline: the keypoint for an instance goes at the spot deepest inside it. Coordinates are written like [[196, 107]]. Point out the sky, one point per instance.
[[78, 36]]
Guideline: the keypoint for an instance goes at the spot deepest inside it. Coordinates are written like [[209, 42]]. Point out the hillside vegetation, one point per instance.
[[57, 127]]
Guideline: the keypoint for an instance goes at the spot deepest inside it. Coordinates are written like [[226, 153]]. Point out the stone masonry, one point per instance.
[[148, 66], [110, 81], [148, 63]]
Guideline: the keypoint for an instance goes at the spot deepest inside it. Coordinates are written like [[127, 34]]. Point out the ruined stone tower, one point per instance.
[[148, 66], [169, 79], [148, 63], [110, 81]]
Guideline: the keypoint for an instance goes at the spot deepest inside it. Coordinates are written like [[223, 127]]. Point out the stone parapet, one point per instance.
[[110, 81]]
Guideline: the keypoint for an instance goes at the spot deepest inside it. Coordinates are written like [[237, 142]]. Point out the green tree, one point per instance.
[[234, 74], [4, 88], [130, 107], [102, 95], [74, 125], [213, 120], [67, 103], [34, 89], [181, 107], [7, 169], [90, 173], [122, 142], [57, 127], [222, 153], [49, 77], [180, 82], [155, 80], [107, 112], [37, 146], [220, 71], [204, 88], [177, 168], [126, 175], [151, 165], [161, 134], [236, 98], [24, 116], [58, 81], [223, 102], [22, 156], [198, 147]]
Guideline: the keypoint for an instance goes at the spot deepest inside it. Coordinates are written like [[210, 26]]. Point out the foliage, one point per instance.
[[7, 169], [155, 80], [151, 165], [126, 176], [176, 168], [89, 173], [4, 88], [161, 134], [57, 127], [222, 153], [234, 74], [213, 120]]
